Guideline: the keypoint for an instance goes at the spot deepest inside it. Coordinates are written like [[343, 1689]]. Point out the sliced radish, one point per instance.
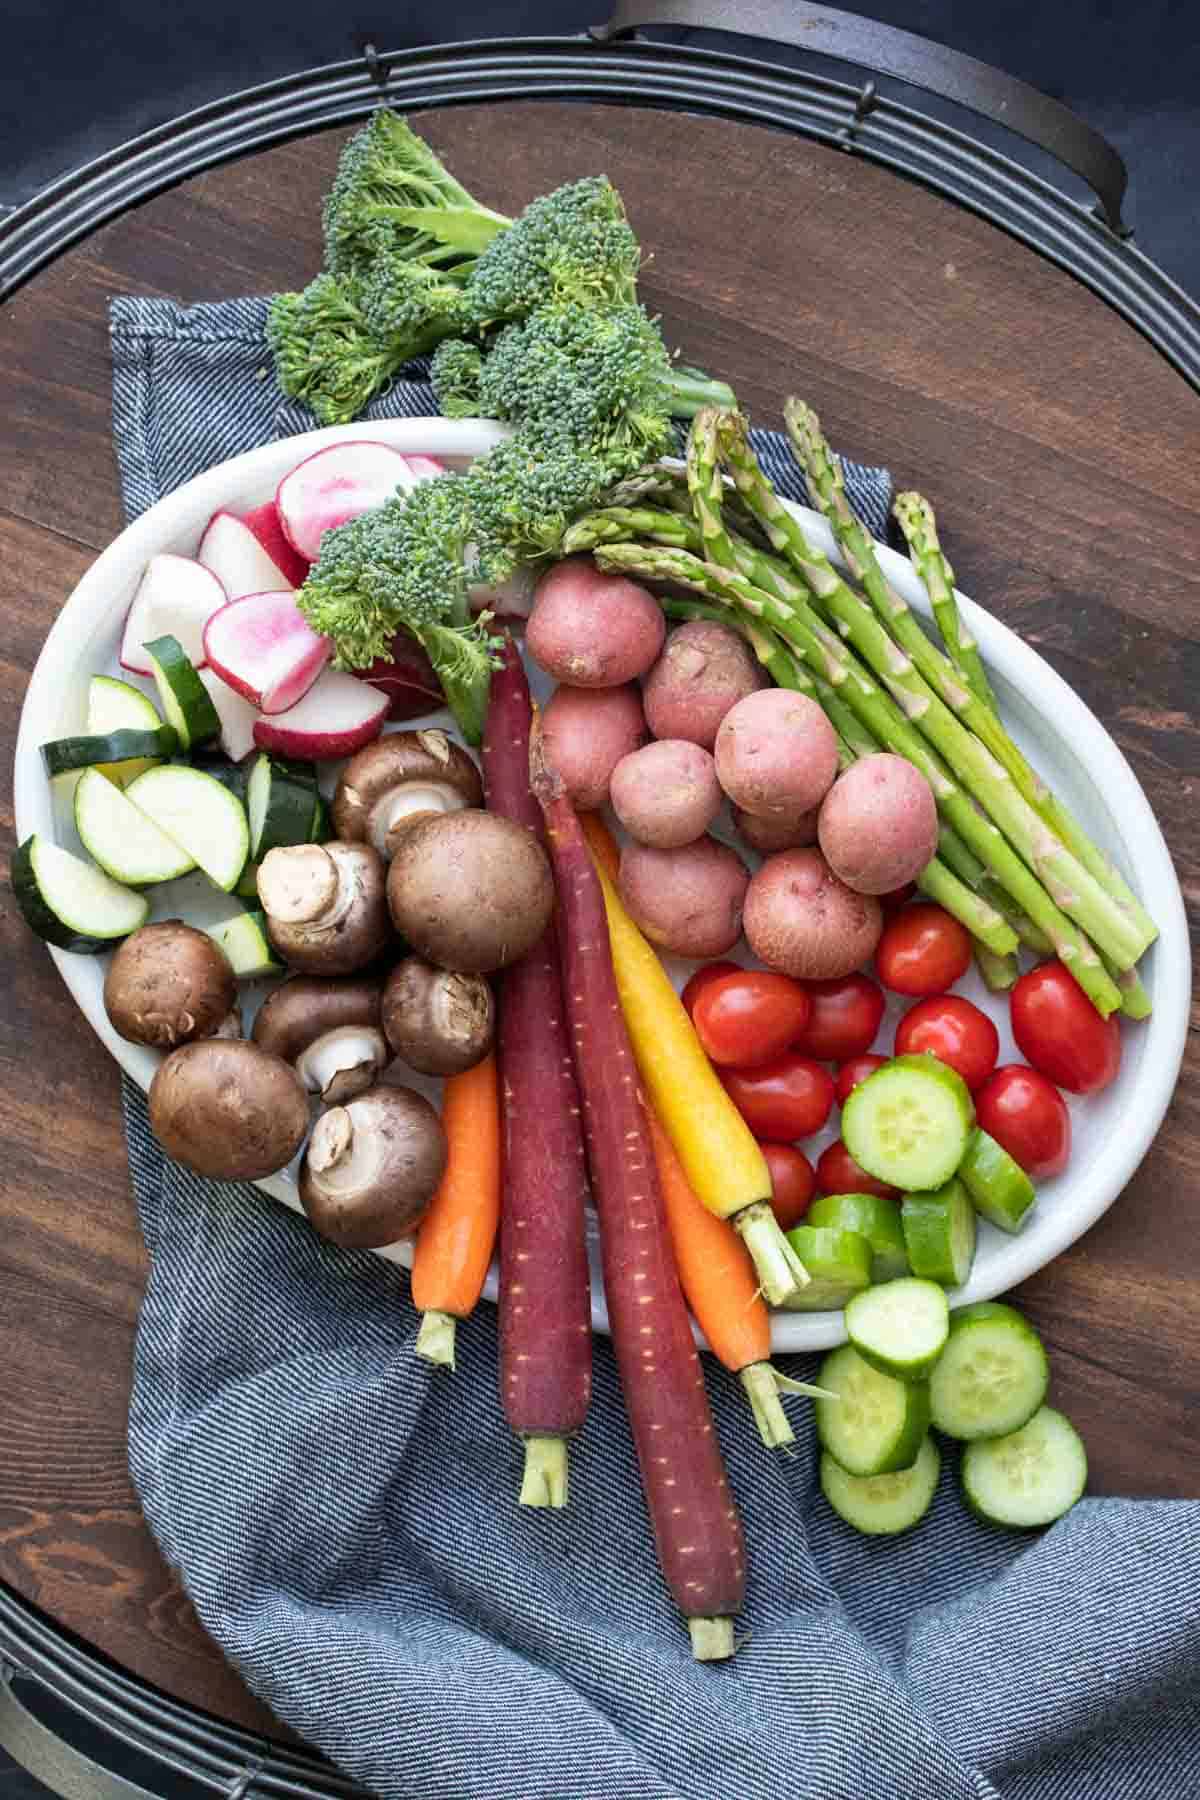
[[337, 484], [265, 648], [236, 557], [407, 678], [425, 468], [176, 598], [263, 521], [338, 715], [236, 714]]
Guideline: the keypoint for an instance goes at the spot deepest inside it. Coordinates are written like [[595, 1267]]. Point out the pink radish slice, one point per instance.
[[266, 650], [339, 483], [177, 596], [407, 678], [236, 557], [237, 716], [338, 715], [511, 599], [263, 521]]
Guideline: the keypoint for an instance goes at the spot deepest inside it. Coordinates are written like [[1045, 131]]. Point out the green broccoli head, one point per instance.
[[455, 372], [325, 352], [409, 303], [574, 244], [523, 496]]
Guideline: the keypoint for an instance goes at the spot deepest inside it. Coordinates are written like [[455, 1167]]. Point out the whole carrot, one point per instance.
[[458, 1234], [696, 1526], [545, 1283]]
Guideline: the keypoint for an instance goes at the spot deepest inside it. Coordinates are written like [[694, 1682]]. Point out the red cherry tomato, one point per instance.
[[1060, 1032], [854, 1071], [785, 1099], [898, 897], [792, 1183], [957, 1033], [700, 980], [838, 1173], [844, 1019], [1028, 1116], [922, 951], [749, 1017]]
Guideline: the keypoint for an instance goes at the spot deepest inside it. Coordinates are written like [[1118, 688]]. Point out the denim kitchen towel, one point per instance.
[[344, 1517]]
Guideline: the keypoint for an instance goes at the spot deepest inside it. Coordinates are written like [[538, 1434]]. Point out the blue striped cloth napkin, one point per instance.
[[345, 1519]]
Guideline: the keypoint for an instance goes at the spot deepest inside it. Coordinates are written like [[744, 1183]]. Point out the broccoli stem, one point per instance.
[[688, 390]]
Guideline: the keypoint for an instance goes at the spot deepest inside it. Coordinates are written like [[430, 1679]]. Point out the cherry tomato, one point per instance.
[[791, 1183], [838, 1173], [957, 1033], [922, 951], [700, 980], [897, 897], [1060, 1032], [749, 1017], [785, 1099], [844, 1019], [854, 1071], [1028, 1116]]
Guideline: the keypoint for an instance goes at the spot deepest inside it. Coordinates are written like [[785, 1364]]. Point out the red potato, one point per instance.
[[688, 901], [593, 630], [781, 831], [776, 753], [667, 793], [803, 921], [705, 668], [587, 732], [878, 825]]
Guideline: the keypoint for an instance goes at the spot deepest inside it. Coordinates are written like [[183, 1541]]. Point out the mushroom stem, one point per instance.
[[400, 809], [302, 884], [343, 1062], [435, 1340]]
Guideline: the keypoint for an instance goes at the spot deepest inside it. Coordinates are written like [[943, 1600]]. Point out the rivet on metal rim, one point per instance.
[[865, 102], [241, 1784], [377, 69]]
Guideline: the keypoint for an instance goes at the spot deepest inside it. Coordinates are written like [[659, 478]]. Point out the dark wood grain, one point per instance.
[[1062, 453]]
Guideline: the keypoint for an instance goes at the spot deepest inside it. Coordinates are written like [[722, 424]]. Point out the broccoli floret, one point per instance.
[[325, 352], [522, 498], [410, 303], [391, 193], [573, 244], [455, 372]]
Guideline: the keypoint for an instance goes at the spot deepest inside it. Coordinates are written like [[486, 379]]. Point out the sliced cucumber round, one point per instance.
[[64, 755], [68, 902], [1028, 1477], [908, 1123], [247, 883], [882, 1505], [873, 1217], [118, 706], [1000, 1189], [939, 1233], [202, 817], [838, 1265], [245, 942], [119, 836], [186, 702], [280, 805], [993, 1374], [876, 1423], [900, 1326]]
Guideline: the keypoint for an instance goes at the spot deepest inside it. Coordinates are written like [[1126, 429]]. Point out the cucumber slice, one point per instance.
[[900, 1326], [882, 1505], [68, 902], [875, 1424], [186, 702], [119, 706], [280, 805], [247, 883], [873, 1217], [64, 755], [838, 1264], [939, 1233], [908, 1124], [993, 1374], [1000, 1189], [118, 835], [1031, 1476], [321, 830], [203, 818], [245, 942], [231, 775]]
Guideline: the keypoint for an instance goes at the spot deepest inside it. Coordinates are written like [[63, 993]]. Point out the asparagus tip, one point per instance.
[[544, 1482]]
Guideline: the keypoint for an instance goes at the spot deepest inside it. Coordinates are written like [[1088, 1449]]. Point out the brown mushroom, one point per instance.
[[406, 776], [330, 1032], [471, 891], [228, 1109], [372, 1167], [167, 984], [326, 906], [437, 1021]]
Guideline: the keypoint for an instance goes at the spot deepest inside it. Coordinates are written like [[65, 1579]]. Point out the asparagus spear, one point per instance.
[[914, 515], [825, 655], [706, 485], [828, 490], [1000, 973]]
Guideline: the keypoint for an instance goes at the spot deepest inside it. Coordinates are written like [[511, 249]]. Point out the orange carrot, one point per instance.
[[602, 844], [717, 1275], [458, 1234]]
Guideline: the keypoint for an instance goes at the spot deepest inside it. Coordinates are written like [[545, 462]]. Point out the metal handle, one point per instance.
[[57, 1764], [889, 51]]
